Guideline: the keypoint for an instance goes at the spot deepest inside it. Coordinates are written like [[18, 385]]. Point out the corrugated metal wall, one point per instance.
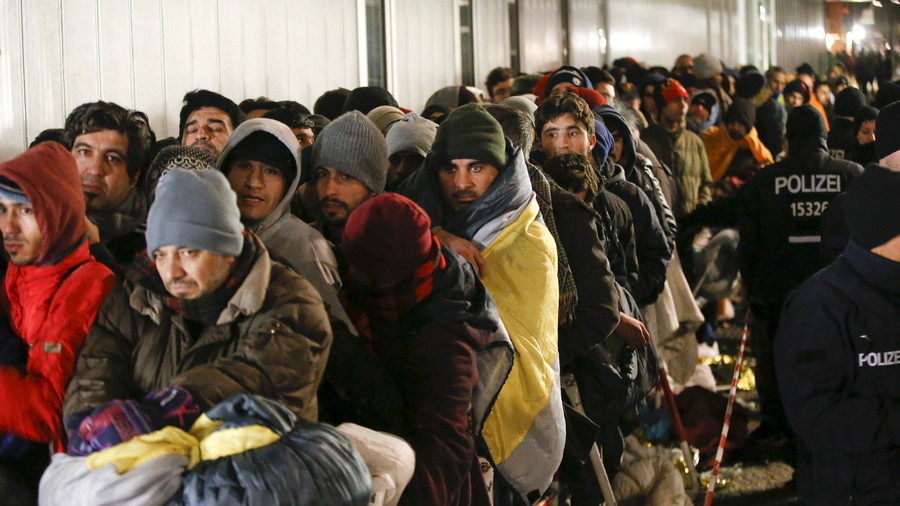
[[145, 54], [491, 20], [801, 32], [540, 34], [425, 57]]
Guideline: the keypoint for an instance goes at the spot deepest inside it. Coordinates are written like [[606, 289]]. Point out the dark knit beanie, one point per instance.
[[353, 145], [366, 98], [797, 86], [805, 121], [387, 238], [704, 99], [471, 132], [749, 85], [264, 147], [848, 101], [741, 111], [888, 93], [871, 207], [887, 131], [865, 114], [331, 103], [567, 74]]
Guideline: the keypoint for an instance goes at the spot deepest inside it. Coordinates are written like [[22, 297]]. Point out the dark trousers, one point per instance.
[[763, 329]]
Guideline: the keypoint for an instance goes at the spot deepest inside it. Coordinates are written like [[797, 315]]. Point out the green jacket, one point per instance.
[[684, 153], [272, 339]]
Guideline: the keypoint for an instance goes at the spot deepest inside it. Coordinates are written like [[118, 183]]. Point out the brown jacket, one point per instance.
[[272, 339], [684, 153]]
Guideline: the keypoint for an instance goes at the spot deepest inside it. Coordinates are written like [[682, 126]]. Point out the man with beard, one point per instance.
[[350, 165], [734, 148], [110, 146], [207, 119]]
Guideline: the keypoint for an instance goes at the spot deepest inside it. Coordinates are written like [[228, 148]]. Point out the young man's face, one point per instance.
[[777, 81], [21, 234], [562, 89], [794, 99], [618, 146], [501, 90], [698, 113], [305, 136], [190, 273], [676, 110], [207, 128], [608, 91], [823, 93], [465, 180], [866, 133], [339, 194], [259, 187], [402, 164], [101, 160], [563, 135]]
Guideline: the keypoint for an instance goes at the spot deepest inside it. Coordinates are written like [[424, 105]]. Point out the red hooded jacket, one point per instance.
[[52, 303]]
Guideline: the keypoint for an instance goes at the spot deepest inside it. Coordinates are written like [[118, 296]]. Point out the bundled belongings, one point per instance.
[[245, 450]]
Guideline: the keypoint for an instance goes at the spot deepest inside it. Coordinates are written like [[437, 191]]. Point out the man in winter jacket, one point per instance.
[[110, 145], [734, 148], [53, 289], [261, 160], [476, 187], [769, 124], [842, 136], [838, 350], [207, 119], [207, 314], [350, 164], [678, 148], [565, 124], [423, 312], [779, 216]]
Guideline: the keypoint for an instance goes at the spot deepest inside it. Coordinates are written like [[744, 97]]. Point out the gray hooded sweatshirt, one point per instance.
[[287, 237]]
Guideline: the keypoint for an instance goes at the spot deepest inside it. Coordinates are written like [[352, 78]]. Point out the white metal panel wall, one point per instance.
[[491, 20], [656, 32], [540, 34], [801, 33], [425, 56], [585, 22], [145, 54]]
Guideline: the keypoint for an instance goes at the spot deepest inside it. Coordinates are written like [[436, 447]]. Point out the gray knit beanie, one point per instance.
[[413, 133], [706, 66], [353, 145], [195, 209]]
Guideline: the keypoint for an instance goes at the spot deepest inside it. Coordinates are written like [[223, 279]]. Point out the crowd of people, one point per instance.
[[497, 282]]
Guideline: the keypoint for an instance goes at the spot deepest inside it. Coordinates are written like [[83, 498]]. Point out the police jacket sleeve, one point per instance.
[[597, 312], [814, 364], [834, 231], [747, 211]]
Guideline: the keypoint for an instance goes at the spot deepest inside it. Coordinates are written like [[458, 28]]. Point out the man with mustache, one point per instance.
[[350, 165], [206, 314], [474, 184], [207, 119], [53, 288], [261, 160], [110, 146]]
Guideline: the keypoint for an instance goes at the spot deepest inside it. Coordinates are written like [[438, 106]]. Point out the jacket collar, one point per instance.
[[878, 271], [246, 301]]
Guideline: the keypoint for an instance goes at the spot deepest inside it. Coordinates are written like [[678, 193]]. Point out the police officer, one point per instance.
[[779, 215], [837, 353]]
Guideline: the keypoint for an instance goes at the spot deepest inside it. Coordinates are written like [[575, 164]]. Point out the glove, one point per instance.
[[108, 425], [171, 406]]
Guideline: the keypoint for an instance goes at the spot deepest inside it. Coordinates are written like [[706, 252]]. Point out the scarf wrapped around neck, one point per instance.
[[721, 148], [388, 306], [207, 308]]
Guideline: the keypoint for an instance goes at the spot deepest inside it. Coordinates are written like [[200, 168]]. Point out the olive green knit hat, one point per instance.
[[470, 132]]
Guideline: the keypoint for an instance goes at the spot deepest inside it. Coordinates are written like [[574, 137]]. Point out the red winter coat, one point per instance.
[[51, 307]]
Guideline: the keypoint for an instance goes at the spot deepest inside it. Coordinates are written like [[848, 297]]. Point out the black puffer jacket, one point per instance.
[[780, 218], [836, 356]]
